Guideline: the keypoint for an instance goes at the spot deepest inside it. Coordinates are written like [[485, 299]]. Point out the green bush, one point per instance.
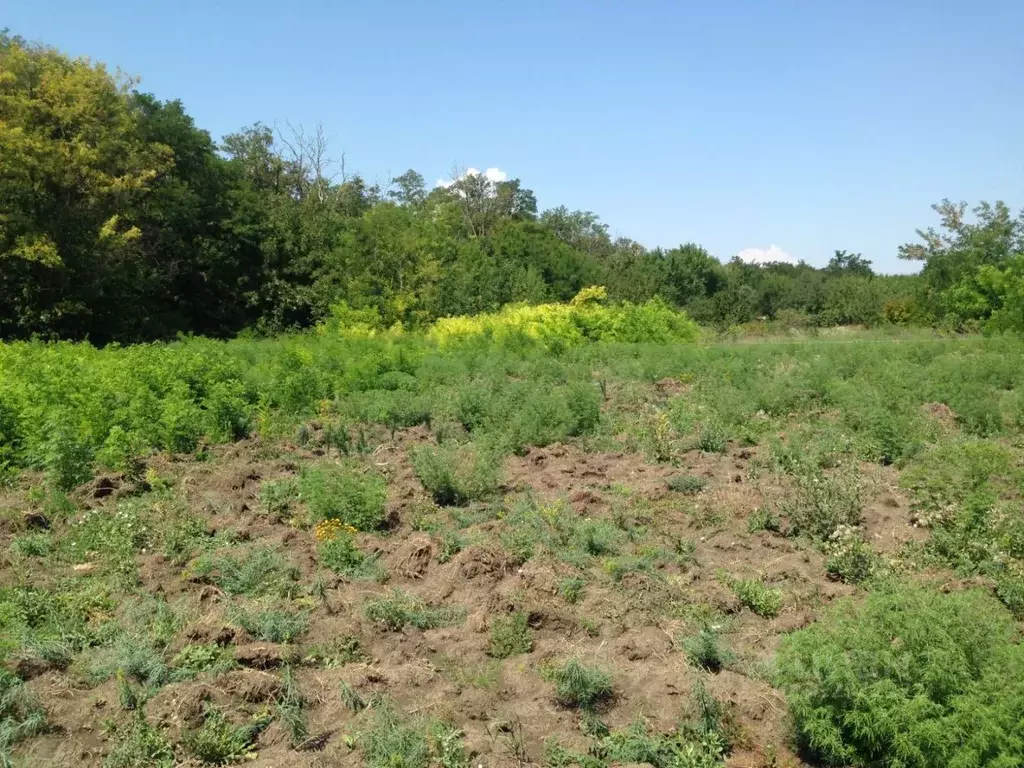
[[578, 685], [909, 676], [688, 484], [821, 503], [510, 635], [252, 571], [399, 609], [21, 715], [354, 495], [704, 650], [763, 600], [268, 623], [455, 475], [218, 741]]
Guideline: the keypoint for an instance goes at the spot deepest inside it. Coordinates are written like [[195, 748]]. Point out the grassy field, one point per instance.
[[401, 553]]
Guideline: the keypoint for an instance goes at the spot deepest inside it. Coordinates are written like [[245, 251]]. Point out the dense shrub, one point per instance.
[[455, 475], [350, 493], [910, 677]]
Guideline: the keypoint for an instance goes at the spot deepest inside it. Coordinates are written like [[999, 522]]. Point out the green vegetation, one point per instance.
[[578, 685], [399, 609], [510, 635], [908, 676], [456, 475], [763, 600], [218, 741], [355, 496]]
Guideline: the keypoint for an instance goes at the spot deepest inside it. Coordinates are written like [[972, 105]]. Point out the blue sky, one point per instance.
[[808, 125]]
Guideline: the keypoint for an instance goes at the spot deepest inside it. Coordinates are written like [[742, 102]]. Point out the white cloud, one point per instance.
[[491, 174], [770, 255]]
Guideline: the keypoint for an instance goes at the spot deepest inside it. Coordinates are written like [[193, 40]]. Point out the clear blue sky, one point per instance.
[[810, 125]]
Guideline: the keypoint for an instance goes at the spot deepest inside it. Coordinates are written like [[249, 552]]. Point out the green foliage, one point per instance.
[[456, 475], [393, 740], [352, 494], [289, 707], [704, 650], [850, 557], [335, 653], [572, 588], [908, 676], [399, 609], [820, 503], [137, 744], [763, 520], [340, 554], [578, 685], [219, 742], [21, 716], [194, 660], [510, 635], [252, 571], [761, 599], [688, 484], [268, 623]]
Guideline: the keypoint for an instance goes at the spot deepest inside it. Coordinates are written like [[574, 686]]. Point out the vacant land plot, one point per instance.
[[318, 551]]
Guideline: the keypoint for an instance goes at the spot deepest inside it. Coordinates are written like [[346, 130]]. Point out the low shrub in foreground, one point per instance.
[[455, 475], [578, 685], [908, 677]]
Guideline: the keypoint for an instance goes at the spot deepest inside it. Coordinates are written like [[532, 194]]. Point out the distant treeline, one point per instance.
[[120, 220]]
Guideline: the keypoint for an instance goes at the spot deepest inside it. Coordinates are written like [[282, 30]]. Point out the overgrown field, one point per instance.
[[407, 551]]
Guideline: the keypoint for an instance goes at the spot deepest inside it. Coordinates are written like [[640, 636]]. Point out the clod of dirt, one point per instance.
[[262, 655], [104, 486], [251, 685], [414, 557], [30, 667], [35, 520], [670, 387], [480, 561]]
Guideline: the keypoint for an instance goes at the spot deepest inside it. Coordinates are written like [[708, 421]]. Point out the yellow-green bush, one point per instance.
[[557, 326]]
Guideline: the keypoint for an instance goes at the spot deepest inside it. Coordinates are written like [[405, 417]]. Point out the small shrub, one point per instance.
[[350, 698], [451, 544], [763, 600], [137, 744], [579, 686], [712, 437], [688, 484], [335, 653], [278, 496], [219, 742], [21, 715], [704, 650], [572, 589], [270, 624], [821, 503], [355, 496], [33, 544], [456, 475], [850, 557], [290, 708], [338, 551], [68, 455], [393, 742], [193, 660], [400, 609], [510, 635], [253, 572], [763, 520], [907, 676]]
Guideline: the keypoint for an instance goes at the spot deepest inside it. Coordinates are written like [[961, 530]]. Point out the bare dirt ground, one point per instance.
[[631, 627]]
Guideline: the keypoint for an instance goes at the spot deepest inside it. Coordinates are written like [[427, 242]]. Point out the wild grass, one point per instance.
[[400, 609]]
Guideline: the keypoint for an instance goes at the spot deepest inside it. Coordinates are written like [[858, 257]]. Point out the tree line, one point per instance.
[[121, 220]]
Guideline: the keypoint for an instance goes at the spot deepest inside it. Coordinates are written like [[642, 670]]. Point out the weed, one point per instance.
[[572, 589], [290, 708], [194, 660], [392, 742], [712, 437], [350, 698], [219, 742], [688, 484], [763, 520], [400, 609], [704, 650], [763, 600], [850, 557], [137, 744], [451, 544], [33, 545], [277, 497], [578, 685], [455, 475], [21, 715], [820, 503], [270, 624], [335, 653], [340, 554], [347, 492], [510, 635], [254, 571]]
